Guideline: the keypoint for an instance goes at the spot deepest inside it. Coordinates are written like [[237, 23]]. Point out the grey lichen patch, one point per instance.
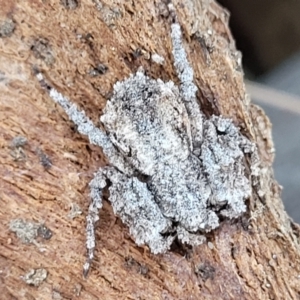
[[44, 159], [108, 14], [100, 69], [163, 8], [18, 141], [35, 277], [69, 4], [206, 45], [173, 173], [157, 59], [77, 289], [27, 231], [17, 151], [7, 28], [57, 296], [75, 211], [135, 265], [42, 50], [205, 271]]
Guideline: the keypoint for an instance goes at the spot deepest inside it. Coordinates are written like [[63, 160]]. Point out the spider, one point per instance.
[[173, 172]]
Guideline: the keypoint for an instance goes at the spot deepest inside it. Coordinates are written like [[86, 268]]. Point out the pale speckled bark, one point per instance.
[[255, 257]]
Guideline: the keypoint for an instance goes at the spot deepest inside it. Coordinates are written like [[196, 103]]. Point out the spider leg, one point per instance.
[[134, 203], [96, 187], [85, 126], [190, 238], [187, 87]]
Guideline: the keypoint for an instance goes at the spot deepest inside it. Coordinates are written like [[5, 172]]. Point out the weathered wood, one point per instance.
[[255, 257]]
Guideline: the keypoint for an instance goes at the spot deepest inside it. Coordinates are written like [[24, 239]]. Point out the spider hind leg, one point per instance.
[[96, 190]]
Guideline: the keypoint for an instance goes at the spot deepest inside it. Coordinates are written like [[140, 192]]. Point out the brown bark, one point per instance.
[[254, 257]]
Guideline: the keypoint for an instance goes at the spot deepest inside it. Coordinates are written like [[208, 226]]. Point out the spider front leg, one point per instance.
[[97, 137], [85, 126], [188, 89]]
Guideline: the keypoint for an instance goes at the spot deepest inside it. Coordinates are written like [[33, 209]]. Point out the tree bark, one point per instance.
[[83, 49]]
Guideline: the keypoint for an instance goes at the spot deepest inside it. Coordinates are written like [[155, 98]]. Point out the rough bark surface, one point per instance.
[[254, 257]]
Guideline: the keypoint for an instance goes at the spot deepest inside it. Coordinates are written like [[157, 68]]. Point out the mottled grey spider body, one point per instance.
[[172, 171]]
